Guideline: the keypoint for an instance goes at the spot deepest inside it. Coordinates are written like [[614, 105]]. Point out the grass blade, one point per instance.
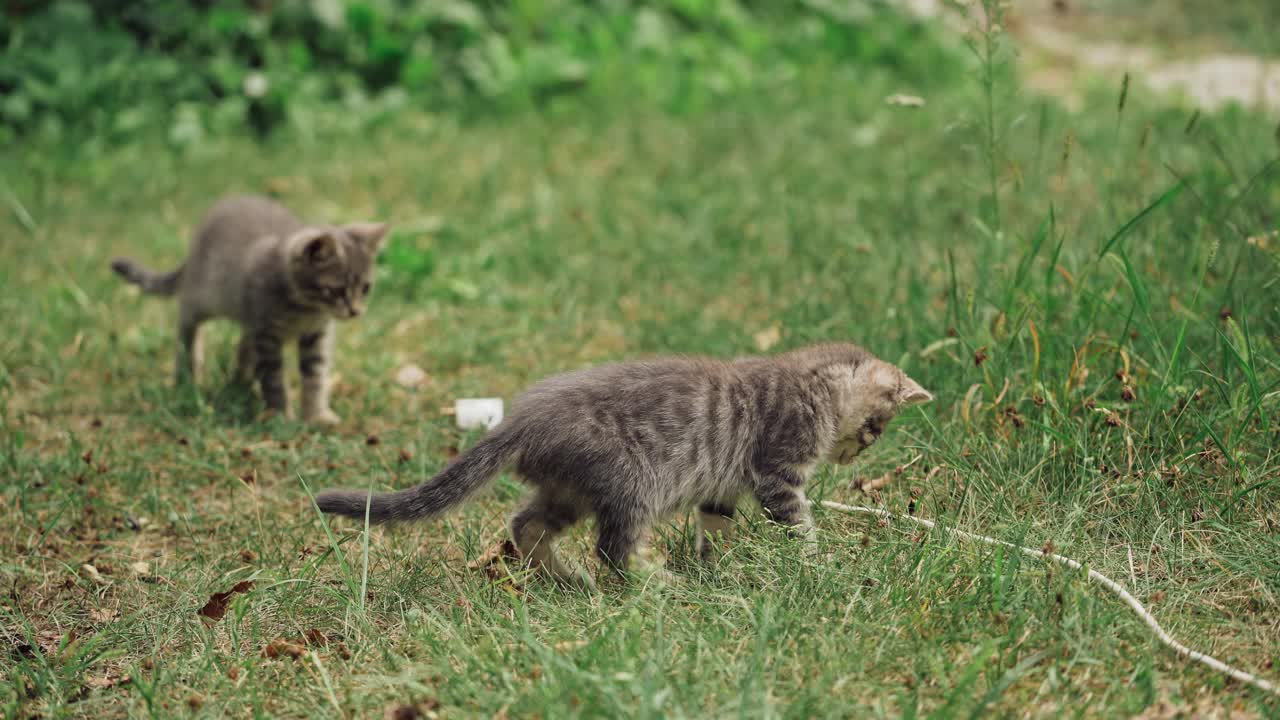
[[1165, 197]]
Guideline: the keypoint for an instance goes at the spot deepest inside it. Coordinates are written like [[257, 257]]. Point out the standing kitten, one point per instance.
[[633, 442], [252, 261]]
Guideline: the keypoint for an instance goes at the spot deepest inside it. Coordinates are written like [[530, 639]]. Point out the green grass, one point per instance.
[[550, 242]]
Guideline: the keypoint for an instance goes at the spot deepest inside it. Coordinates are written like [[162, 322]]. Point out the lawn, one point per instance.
[[1092, 298]]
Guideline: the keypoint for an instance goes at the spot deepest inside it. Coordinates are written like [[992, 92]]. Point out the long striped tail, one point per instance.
[[464, 476], [151, 283]]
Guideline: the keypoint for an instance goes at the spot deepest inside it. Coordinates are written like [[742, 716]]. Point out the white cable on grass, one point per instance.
[[1094, 575]]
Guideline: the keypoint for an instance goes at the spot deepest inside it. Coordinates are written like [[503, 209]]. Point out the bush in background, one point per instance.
[[112, 68]]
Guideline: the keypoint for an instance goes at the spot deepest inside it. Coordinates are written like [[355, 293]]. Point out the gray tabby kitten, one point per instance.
[[633, 442], [254, 262]]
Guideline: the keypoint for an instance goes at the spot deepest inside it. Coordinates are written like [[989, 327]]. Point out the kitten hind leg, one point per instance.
[[648, 561], [190, 348], [534, 530], [314, 351], [621, 544], [269, 368], [245, 361]]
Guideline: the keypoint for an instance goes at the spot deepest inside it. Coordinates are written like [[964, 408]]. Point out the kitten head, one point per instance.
[[871, 395], [331, 268]]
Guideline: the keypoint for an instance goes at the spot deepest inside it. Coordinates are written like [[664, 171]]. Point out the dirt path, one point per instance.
[[1057, 55]]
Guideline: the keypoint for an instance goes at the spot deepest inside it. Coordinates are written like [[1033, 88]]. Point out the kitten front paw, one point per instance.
[[648, 565], [272, 414], [574, 578], [808, 536], [324, 418], [812, 550]]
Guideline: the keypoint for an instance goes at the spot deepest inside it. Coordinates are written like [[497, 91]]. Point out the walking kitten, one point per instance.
[[254, 262], [633, 442]]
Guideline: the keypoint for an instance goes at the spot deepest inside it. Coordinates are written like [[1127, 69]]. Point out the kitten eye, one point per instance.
[[364, 289]]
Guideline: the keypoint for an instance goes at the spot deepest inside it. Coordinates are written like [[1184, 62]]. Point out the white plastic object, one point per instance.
[[472, 413]]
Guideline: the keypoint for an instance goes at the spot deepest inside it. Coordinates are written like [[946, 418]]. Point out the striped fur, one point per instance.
[[282, 280], [633, 443]]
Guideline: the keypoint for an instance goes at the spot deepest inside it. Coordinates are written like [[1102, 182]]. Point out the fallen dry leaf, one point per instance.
[[92, 573], [491, 560], [501, 550], [767, 338], [411, 376], [413, 711], [103, 682], [283, 648], [403, 712], [103, 615], [217, 605], [875, 483], [52, 641]]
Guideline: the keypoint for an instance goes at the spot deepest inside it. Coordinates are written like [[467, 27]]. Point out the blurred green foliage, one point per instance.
[[113, 68]]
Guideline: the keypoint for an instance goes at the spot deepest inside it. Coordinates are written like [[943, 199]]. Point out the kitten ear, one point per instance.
[[317, 246], [911, 393], [369, 234]]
